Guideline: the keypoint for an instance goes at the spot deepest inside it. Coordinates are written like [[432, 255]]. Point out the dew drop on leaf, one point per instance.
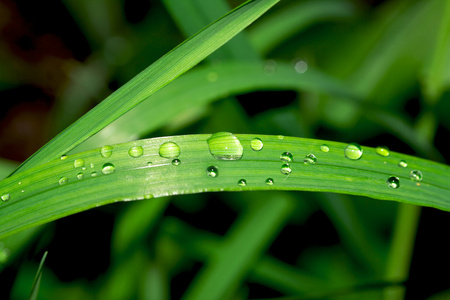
[[80, 176], [106, 151], [393, 182], [416, 175], [169, 150], [78, 163], [286, 169], [176, 162], [324, 148], [136, 151], [108, 168], [63, 180], [269, 181], [353, 151], [5, 197], [256, 144], [212, 171], [242, 182], [287, 157], [225, 146], [310, 159], [382, 151], [63, 157], [402, 164], [93, 174]]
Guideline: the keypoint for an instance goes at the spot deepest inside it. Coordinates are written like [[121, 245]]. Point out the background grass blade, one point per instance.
[[37, 279], [159, 74], [136, 170]]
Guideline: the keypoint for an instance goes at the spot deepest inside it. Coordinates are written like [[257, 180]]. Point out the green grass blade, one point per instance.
[[159, 74], [88, 179], [37, 279]]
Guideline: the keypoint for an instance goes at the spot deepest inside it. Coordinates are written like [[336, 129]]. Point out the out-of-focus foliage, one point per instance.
[[378, 73]]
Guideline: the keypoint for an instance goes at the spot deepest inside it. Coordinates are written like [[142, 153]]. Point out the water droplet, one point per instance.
[[242, 182], [78, 163], [149, 164], [280, 137], [402, 164], [256, 144], [106, 151], [176, 162], [287, 157], [92, 165], [136, 151], [83, 168], [382, 150], [324, 148], [63, 157], [393, 182], [301, 66], [225, 146], [80, 176], [310, 159], [353, 151], [212, 171], [286, 169], [269, 181], [63, 180], [416, 175], [93, 174], [270, 67], [5, 197], [108, 168], [148, 196], [169, 150]]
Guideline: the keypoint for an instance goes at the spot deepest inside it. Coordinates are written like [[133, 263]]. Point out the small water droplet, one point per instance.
[[256, 144], [136, 151], [270, 67], [301, 66], [225, 146], [353, 151], [242, 182], [393, 182], [212, 171], [148, 196], [106, 151], [169, 150], [63, 180], [108, 168], [382, 150], [176, 162], [83, 168], [80, 176], [93, 174], [402, 164], [269, 181], [92, 165], [280, 137], [149, 164], [416, 175], [287, 157], [324, 148], [78, 163], [63, 157], [22, 191], [19, 183], [286, 169], [5, 197], [310, 159]]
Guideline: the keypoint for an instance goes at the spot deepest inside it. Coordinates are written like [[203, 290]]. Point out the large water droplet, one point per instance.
[[5, 197], [402, 164], [78, 163], [108, 168], [310, 159], [324, 148], [242, 182], [353, 151], [106, 151], [169, 150], [256, 144], [136, 151], [287, 157], [212, 171], [269, 181], [225, 146], [416, 175], [382, 150], [286, 169], [176, 162], [63, 180], [393, 182]]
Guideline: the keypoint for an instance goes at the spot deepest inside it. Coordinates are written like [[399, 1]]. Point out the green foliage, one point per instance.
[[305, 75]]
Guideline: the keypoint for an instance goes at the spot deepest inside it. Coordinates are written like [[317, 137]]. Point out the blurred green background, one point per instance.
[[59, 58]]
